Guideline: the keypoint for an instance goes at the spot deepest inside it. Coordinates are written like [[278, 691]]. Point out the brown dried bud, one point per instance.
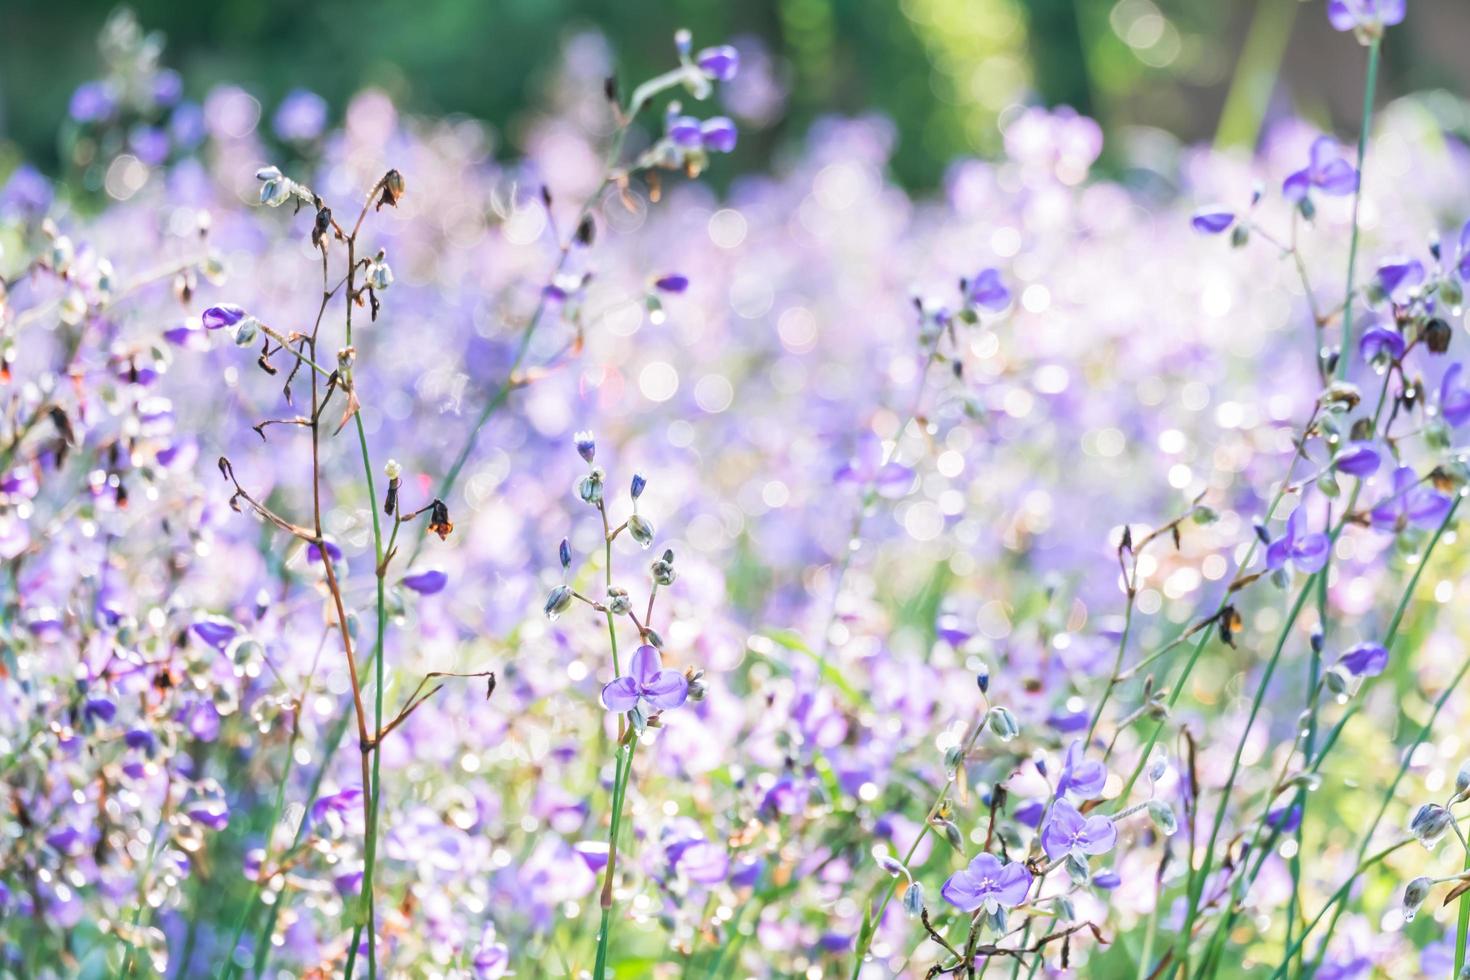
[[439, 522], [393, 187]]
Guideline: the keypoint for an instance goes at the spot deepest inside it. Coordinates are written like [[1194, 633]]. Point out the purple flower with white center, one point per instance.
[[1371, 15], [1410, 504], [1364, 660], [720, 63], [647, 682], [211, 813], [719, 134], [1068, 832], [1454, 398], [951, 628], [224, 315], [986, 883], [1399, 274], [1358, 459], [1081, 776], [1307, 551], [426, 582], [302, 116], [684, 131], [867, 468], [1380, 345], [1326, 170], [671, 283], [1212, 220], [988, 291]]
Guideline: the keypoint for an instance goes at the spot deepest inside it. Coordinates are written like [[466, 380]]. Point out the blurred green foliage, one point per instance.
[[943, 70]]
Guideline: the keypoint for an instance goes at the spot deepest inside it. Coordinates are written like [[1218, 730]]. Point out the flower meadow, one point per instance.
[[422, 561]]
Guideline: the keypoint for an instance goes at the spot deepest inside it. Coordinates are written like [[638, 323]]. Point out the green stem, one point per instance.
[[1374, 56]]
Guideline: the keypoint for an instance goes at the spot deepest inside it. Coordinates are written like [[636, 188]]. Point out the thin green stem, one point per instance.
[[1371, 86]]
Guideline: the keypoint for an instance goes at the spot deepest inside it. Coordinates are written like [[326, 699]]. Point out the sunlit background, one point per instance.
[[943, 70]]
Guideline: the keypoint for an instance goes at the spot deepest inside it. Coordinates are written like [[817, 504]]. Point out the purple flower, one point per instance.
[[1380, 344], [987, 883], [349, 798], [1454, 398], [1081, 776], [1364, 660], [301, 116], [426, 582], [100, 709], [1212, 220], [1285, 819], [720, 63], [211, 813], [684, 131], [1410, 504], [1327, 171], [492, 958], [867, 468], [1462, 256], [92, 101], [646, 682], [1107, 880], [1357, 459], [719, 134], [1399, 272], [1348, 15], [215, 631], [988, 291], [1307, 551], [314, 553], [224, 315], [671, 283], [28, 192], [1068, 832]]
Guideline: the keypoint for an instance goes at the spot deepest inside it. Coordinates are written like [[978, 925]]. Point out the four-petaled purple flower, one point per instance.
[[1364, 660], [1212, 220], [1081, 776], [1326, 170], [1068, 832], [1410, 504], [987, 883], [646, 682], [1350, 15], [1306, 550]]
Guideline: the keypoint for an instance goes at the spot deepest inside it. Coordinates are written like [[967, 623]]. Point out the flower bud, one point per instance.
[[246, 331], [1077, 869], [1437, 335], [564, 552], [1415, 892], [618, 602], [641, 530], [1163, 817], [589, 488], [952, 834], [636, 490], [1462, 783], [982, 679], [558, 602], [663, 568], [586, 445], [1003, 724], [1429, 824], [913, 899], [891, 864], [392, 470]]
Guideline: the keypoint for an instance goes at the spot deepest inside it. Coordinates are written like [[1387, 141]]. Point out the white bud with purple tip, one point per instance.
[[1415, 892], [913, 899], [641, 530], [1003, 724]]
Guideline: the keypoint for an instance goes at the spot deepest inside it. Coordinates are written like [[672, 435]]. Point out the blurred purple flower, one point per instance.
[[1380, 343], [988, 291], [1399, 273], [1212, 220], [1357, 459], [721, 63], [719, 134], [301, 116], [1306, 551], [1348, 15], [1454, 398], [1326, 170], [671, 283], [92, 102], [427, 581], [684, 130], [867, 469], [1410, 504], [1364, 660], [224, 315], [1081, 776]]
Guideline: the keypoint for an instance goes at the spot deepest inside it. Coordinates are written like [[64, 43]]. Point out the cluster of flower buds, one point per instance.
[[276, 189], [688, 140]]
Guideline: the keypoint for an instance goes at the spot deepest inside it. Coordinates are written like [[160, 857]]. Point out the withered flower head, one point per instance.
[[439, 522], [393, 188]]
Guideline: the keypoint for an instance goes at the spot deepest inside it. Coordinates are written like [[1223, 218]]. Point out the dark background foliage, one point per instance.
[[943, 70]]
